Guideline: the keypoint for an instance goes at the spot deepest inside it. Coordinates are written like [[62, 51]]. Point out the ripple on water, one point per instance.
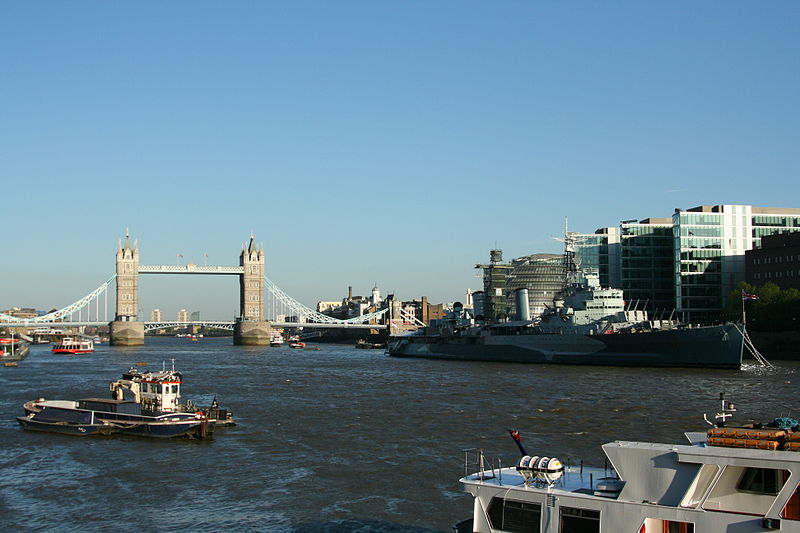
[[338, 440]]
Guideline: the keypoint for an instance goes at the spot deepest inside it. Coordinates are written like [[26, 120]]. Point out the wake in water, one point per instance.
[[757, 369]]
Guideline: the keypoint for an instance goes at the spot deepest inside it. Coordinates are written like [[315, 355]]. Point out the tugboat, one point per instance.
[[154, 411], [144, 388], [74, 346], [744, 479]]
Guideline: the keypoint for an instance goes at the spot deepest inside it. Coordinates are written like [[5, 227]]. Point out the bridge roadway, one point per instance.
[[215, 323], [190, 269]]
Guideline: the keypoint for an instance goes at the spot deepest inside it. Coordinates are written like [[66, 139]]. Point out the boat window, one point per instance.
[[761, 481], [575, 520], [746, 490], [700, 485], [792, 509], [514, 517]]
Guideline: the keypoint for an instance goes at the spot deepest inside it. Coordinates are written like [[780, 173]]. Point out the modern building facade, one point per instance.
[[683, 267], [709, 246], [541, 274], [776, 261], [156, 315], [600, 252], [183, 315], [646, 265]]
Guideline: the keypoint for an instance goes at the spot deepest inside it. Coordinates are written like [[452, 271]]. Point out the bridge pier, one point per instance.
[[124, 333], [251, 333]]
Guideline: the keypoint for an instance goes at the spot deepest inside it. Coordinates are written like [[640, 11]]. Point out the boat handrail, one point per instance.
[[476, 464]]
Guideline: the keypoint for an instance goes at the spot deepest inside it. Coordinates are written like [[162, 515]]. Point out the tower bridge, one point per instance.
[[251, 327]]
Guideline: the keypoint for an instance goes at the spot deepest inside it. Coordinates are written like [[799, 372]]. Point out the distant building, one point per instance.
[[646, 265], [21, 312], [468, 301], [417, 309], [327, 307], [183, 315], [195, 316], [156, 316], [777, 260], [541, 274], [599, 251], [353, 306], [495, 279], [710, 246]]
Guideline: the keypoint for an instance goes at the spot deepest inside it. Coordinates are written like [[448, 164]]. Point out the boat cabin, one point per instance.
[[105, 405], [154, 391], [743, 479]]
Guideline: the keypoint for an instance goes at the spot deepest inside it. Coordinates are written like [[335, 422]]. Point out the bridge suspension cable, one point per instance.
[[76, 307], [278, 303], [282, 303]]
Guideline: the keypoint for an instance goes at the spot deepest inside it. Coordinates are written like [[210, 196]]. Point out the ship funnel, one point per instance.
[[523, 307]]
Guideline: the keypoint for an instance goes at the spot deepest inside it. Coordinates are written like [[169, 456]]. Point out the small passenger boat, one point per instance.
[[276, 339], [73, 346], [13, 349], [152, 409], [744, 479], [297, 344]]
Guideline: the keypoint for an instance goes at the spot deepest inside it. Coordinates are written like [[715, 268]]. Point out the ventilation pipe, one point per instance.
[[523, 308]]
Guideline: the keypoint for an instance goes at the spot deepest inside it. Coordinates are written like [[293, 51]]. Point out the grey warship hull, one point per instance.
[[701, 347]]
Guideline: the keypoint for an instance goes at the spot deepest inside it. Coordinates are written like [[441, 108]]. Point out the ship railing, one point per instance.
[[478, 466]]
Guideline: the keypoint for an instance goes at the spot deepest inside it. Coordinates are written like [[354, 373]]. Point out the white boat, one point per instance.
[[276, 338], [729, 479], [73, 346]]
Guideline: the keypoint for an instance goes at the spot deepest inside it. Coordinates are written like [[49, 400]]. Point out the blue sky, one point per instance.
[[373, 142]]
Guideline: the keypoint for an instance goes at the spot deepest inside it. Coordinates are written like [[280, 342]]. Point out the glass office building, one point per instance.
[[709, 245], [542, 275], [600, 252], [646, 258]]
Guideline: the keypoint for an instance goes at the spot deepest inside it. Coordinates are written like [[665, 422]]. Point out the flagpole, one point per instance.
[[744, 316]]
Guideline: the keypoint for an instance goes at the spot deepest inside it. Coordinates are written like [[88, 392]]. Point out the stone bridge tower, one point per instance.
[[251, 282], [126, 330], [251, 328]]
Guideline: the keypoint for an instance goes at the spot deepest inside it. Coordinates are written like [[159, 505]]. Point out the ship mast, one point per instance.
[[570, 263]]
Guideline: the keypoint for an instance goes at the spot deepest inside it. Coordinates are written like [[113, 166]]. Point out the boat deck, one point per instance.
[[575, 479]]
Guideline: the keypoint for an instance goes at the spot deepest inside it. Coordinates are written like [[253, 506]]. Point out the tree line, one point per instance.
[[774, 309]]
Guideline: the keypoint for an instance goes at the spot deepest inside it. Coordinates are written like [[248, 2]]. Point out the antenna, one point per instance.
[[726, 411]]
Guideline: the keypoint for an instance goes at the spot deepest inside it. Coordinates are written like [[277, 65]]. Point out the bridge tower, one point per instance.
[[250, 327], [126, 330]]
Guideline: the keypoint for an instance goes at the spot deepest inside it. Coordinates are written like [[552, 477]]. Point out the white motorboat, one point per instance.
[[744, 479]]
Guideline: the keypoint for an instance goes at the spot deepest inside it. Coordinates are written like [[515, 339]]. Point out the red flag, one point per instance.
[[746, 297]]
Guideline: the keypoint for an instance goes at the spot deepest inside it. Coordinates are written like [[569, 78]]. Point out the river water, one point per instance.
[[335, 439]]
